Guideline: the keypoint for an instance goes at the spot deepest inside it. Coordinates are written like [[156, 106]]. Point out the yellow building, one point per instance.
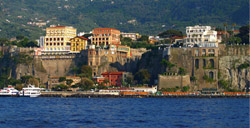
[[78, 43], [57, 39]]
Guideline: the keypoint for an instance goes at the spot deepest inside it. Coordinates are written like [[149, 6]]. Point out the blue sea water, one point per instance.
[[123, 113]]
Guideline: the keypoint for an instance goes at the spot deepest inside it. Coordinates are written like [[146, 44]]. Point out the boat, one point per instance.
[[30, 91], [8, 91]]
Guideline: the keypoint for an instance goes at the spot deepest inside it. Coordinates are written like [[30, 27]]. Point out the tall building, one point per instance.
[[57, 39], [78, 43], [203, 36], [105, 36]]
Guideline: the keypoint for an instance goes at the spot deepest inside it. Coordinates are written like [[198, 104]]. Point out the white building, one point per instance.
[[133, 36], [203, 36]]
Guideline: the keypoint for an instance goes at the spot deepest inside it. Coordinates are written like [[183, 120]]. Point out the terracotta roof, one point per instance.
[[79, 37], [113, 73], [221, 32], [106, 29]]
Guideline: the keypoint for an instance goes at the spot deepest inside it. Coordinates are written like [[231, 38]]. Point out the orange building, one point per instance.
[[105, 36]]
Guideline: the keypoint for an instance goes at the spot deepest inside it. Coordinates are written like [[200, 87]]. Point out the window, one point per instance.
[[61, 39], [204, 63], [211, 63], [62, 44], [211, 75], [197, 63]]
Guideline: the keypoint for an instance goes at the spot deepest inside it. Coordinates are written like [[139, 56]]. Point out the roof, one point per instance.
[[106, 29], [113, 73], [221, 32], [79, 37]]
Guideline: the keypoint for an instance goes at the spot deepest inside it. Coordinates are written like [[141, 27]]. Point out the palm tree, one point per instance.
[[234, 24], [225, 25]]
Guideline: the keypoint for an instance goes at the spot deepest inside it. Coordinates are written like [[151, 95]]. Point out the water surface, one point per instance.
[[124, 112]]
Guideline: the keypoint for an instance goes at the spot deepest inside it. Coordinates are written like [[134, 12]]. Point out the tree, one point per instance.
[[170, 33], [61, 79], [244, 34], [69, 82], [86, 84], [60, 87], [143, 76], [233, 26], [25, 79], [235, 40], [167, 64], [185, 88], [182, 71], [75, 70], [86, 71], [143, 38], [33, 81]]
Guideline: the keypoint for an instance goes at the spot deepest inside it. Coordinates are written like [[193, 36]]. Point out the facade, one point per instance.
[[57, 39], [41, 41], [124, 51], [133, 36], [203, 36], [221, 35], [105, 37], [115, 78], [78, 43]]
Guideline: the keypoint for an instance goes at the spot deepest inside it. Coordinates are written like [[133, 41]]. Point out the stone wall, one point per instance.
[[173, 81]]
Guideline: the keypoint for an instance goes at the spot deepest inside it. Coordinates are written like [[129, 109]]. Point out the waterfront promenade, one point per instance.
[[117, 95]]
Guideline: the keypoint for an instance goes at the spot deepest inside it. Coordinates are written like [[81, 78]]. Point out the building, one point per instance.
[[41, 41], [57, 40], [78, 43], [202, 36], [133, 36], [115, 78], [54, 81], [105, 37], [221, 35], [124, 51]]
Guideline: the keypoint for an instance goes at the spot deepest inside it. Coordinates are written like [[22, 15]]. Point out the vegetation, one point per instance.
[[86, 84], [170, 33], [206, 78], [147, 17], [143, 76], [170, 89], [185, 88], [61, 79], [182, 71], [243, 66], [69, 82], [60, 87], [86, 71], [167, 64]]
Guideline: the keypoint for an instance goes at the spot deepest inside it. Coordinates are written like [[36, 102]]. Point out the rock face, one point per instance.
[[229, 69]]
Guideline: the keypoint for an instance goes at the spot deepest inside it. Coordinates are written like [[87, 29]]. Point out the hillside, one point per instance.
[[146, 17]]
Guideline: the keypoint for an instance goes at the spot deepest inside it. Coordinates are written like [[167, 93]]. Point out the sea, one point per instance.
[[21, 112]]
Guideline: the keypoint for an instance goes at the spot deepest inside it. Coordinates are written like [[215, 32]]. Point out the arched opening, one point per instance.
[[211, 75], [197, 63], [203, 52], [197, 52], [204, 63], [211, 63]]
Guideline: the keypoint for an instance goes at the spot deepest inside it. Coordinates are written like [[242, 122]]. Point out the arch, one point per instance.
[[203, 52], [197, 63], [204, 63], [196, 52], [211, 75], [212, 63]]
